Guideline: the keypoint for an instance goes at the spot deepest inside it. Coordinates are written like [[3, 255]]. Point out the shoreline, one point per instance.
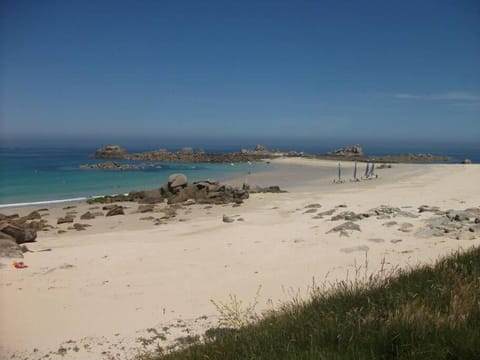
[[124, 275]]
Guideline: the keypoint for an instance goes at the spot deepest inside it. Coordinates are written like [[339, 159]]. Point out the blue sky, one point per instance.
[[218, 69]]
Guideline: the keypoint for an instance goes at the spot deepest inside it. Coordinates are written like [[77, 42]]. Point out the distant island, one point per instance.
[[259, 153]]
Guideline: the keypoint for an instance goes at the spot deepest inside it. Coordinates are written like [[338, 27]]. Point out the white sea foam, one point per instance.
[[59, 201], [44, 202]]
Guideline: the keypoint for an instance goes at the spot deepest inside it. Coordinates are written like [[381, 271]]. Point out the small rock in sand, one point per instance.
[[117, 210], [313, 206], [345, 226], [405, 227], [87, 216], [310, 211], [227, 219], [406, 214], [425, 208], [147, 218], [394, 241], [474, 228], [63, 220], [390, 223], [80, 227], [34, 215]]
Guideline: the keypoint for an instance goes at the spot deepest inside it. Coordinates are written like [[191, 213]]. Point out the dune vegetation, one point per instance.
[[427, 312]]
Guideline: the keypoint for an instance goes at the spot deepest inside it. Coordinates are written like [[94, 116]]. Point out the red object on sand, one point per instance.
[[19, 265]]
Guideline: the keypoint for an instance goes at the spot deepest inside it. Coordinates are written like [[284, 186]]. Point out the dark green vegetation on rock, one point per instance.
[[430, 312]]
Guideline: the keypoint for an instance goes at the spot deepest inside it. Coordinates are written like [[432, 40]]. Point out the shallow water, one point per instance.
[[40, 175]]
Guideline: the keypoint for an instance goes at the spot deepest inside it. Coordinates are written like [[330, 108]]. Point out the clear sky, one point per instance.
[[383, 69]]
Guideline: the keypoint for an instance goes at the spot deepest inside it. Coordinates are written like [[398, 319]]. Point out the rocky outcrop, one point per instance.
[[110, 152], [178, 190], [109, 165], [384, 161], [207, 192], [267, 189], [184, 155], [348, 151], [177, 182]]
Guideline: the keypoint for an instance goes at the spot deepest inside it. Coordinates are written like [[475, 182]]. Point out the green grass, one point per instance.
[[430, 312]]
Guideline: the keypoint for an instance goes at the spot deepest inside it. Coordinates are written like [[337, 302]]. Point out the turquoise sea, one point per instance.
[[46, 174]]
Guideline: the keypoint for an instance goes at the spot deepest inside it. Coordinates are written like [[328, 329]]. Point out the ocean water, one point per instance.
[[43, 174], [48, 174]]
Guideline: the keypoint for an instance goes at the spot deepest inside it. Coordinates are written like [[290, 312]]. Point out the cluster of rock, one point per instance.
[[355, 150], [456, 224], [179, 190], [381, 212], [110, 152], [109, 165], [413, 158], [356, 153], [185, 155]]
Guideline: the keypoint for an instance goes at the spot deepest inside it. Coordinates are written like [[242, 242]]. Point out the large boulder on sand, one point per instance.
[[19, 233]]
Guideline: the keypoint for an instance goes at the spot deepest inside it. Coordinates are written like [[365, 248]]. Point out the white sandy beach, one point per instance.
[[98, 291]]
